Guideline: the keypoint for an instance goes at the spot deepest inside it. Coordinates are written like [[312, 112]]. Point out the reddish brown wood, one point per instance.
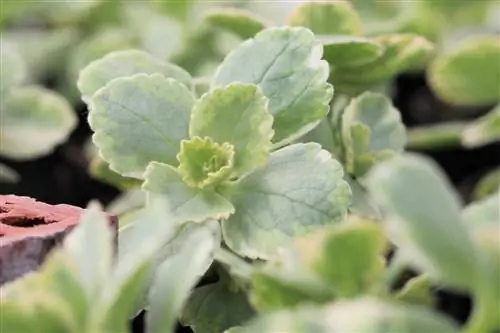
[[29, 229]]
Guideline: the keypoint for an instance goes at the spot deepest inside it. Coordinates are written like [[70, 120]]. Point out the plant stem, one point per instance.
[[482, 318], [436, 136], [236, 265]]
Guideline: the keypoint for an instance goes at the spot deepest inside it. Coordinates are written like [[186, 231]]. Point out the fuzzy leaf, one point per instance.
[[123, 64], [100, 170], [282, 60], [34, 121], [203, 162], [176, 277], [484, 130], [7, 174], [242, 23], [402, 53], [468, 74], [13, 68], [140, 119], [164, 183], [91, 248], [372, 130], [327, 18], [430, 235], [348, 257], [349, 51], [301, 189], [207, 308], [236, 114], [417, 291], [361, 315], [127, 282]]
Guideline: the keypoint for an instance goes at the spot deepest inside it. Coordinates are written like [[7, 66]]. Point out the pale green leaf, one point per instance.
[[417, 291], [215, 307], [176, 277], [16, 318], [371, 130], [381, 16], [236, 114], [242, 23], [327, 18], [487, 185], [402, 52], [468, 74], [430, 235], [361, 203], [348, 257], [126, 63], [484, 130], [140, 119], [45, 51], [100, 170], [349, 51], [128, 281], [283, 60], [203, 162], [164, 183], [301, 189], [483, 213], [7, 174], [285, 282], [34, 121], [361, 315], [12, 68], [90, 245]]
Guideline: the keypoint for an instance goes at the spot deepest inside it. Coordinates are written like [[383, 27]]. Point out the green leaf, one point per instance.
[[380, 16], [16, 318], [417, 291], [91, 247], [44, 51], [7, 174], [327, 18], [236, 114], [403, 52], [467, 74], [215, 307], [349, 51], [13, 68], [348, 257], [140, 119], [361, 315], [34, 121], [283, 60], [203, 162], [178, 9], [123, 64], [372, 130], [176, 277], [429, 235], [361, 203], [483, 131], [242, 23], [301, 189], [487, 185], [100, 170], [128, 281], [164, 183]]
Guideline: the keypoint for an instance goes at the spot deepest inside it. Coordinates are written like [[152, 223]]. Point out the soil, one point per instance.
[[62, 176]]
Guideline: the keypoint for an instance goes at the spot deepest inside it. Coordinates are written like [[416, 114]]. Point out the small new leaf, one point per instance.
[[203, 162], [350, 51], [372, 130], [282, 60], [237, 115]]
